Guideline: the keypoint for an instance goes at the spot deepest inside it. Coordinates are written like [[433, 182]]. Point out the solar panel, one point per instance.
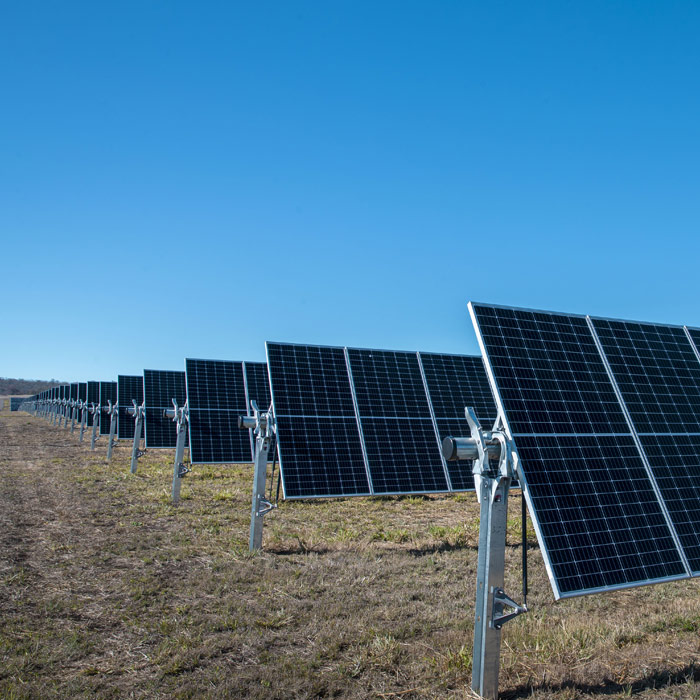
[[216, 398], [595, 506], [93, 397], [129, 388], [74, 391], [108, 392], [82, 391], [257, 386], [658, 374], [160, 387], [337, 409], [454, 382], [393, 409], [16, 402], [318, 440]]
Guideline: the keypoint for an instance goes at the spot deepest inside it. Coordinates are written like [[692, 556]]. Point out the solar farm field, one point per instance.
[[107, 590]]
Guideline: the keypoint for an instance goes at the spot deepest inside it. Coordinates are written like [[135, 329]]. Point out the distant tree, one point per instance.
[[22, 387]]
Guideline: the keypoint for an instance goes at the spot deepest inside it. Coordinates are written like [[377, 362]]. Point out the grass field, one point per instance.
[[108, 591]]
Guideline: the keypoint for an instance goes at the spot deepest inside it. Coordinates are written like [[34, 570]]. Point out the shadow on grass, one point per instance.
[[653, 681]]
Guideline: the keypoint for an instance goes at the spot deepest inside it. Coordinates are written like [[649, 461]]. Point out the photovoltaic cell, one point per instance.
[[675, 462], [160, 387], [599, 519], [455, 382], [129, 388], [257, 384], [216, 398], [550, 375], [258, 390], [108, 392], [319, 443], [403, 449], [93, 397], [657, 372]]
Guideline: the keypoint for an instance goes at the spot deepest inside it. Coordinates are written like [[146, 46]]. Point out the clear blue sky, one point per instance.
[[194, 178]]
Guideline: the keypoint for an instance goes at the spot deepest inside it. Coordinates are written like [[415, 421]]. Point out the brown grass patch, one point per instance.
[[109, 591]]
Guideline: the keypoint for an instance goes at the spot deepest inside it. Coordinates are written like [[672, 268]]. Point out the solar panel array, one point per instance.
[[160, 387], [354, 422], [129, 388], [606, 418]]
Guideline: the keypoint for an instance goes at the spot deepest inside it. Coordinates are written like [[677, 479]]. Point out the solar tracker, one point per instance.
[[16, 402], [108, 392], [454, 382], [318, 439], [393, 409], [129, 388], [658, 375], [216, 398], [160, 387], [593, 500]]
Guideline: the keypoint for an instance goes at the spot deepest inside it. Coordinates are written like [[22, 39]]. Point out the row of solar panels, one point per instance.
[[336, 410], [605, 416]]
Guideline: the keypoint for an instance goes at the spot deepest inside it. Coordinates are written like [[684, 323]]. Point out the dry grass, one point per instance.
[[109, 591]]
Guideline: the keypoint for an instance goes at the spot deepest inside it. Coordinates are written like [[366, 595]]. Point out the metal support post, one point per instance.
[[112, 411], [264, 426], [74, 408], [492, 482], [181, 416], [83, 419], [95, 411], [137, 412]]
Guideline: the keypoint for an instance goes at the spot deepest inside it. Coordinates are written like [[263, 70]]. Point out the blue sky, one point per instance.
[[192, 179]]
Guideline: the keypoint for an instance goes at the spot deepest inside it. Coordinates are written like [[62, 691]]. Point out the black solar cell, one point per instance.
[[160, 387], [216, 398], [455, 382], [402, 446], [129, 388], [657, 372], [108, 392]]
